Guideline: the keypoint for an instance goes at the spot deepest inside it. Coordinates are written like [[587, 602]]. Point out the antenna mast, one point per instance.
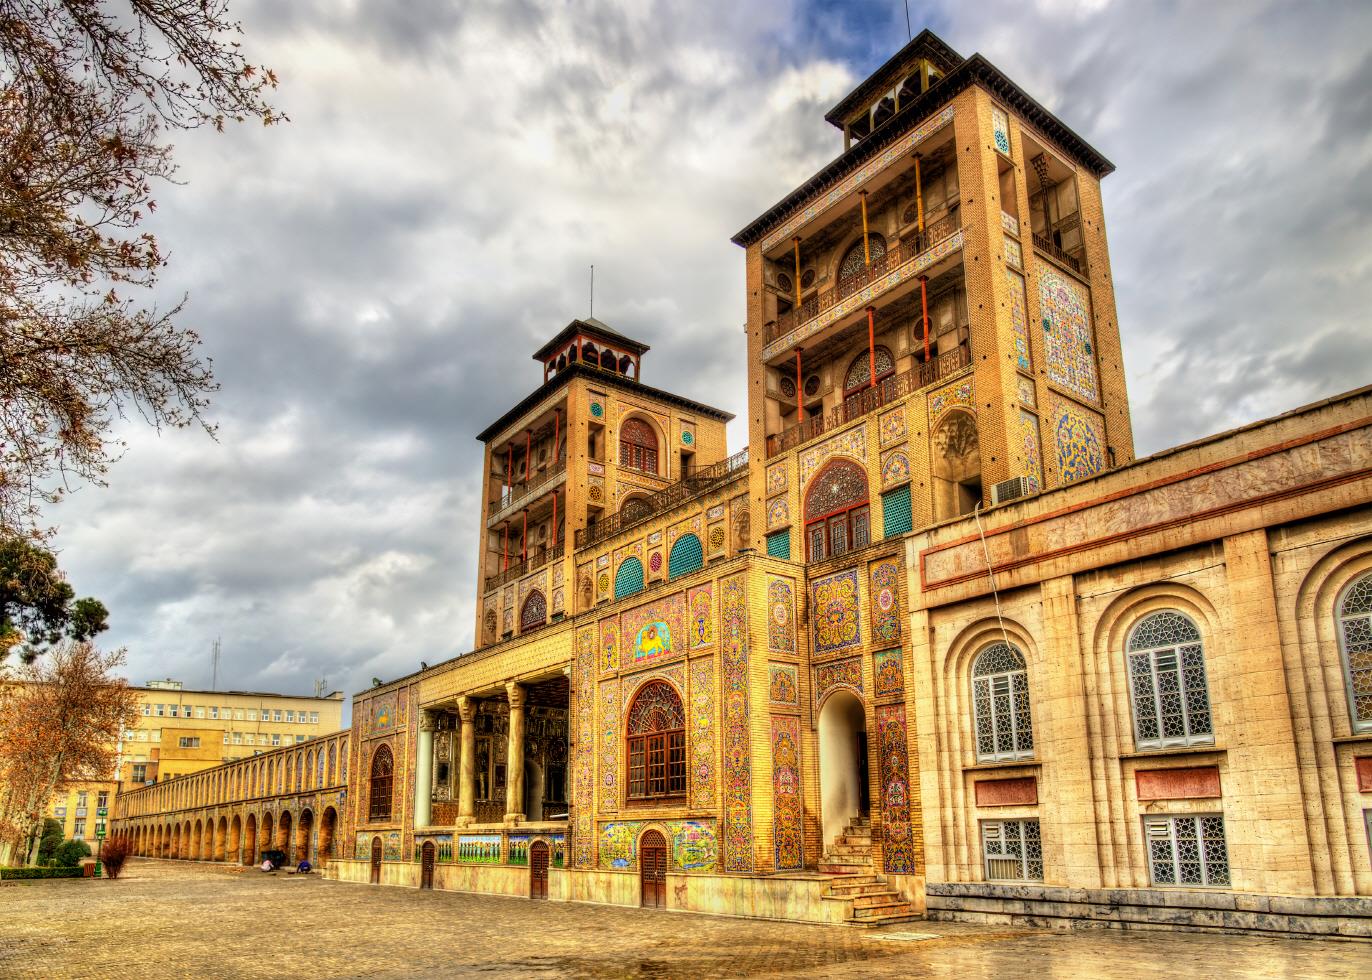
[[214, 664]]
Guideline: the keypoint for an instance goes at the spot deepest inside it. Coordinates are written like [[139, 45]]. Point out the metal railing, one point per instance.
[[894, 258], [870, 399], [1053, 251], [700, 481], [537, 560]]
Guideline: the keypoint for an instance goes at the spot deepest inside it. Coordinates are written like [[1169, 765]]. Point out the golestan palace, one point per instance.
[[934, 644]]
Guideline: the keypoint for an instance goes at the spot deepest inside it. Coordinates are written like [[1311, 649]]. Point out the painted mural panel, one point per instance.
[[519, 845], [609, 745], [609, 644], [851, 443], [1029, 446], [834, 600], [781, 616], [694, 844], [1079, 437], [898, 844], [1065, 306], [702, 610], [888, 675], [958, 394], [653, 631], [787, 818], [838, 673], [885, 595], [892, 427], [702, 733], [782, 689], [478, 849], [583, 785], [738, 769], [895, 469], [1019, 318]]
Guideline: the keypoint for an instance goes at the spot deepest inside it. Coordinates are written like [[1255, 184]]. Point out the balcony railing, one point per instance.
[[870, 399], [701, 481], [512, 498], [1066, 258], [893, 259], [538, 559]]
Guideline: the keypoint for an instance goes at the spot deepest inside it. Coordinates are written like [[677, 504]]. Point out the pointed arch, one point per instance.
[[379, 784], [686, 556], [655, 736], [837, 510], [629, 578], [534, 612], [638, 444]]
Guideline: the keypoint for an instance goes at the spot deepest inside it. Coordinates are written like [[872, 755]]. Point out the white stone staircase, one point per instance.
[[870, 899]]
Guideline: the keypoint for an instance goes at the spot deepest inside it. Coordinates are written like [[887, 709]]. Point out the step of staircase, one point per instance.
[[870, 900]]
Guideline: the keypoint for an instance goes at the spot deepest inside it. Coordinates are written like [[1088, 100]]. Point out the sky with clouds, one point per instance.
[[372, 278]]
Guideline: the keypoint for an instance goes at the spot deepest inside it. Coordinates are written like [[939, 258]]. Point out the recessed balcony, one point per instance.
[[516, 498]]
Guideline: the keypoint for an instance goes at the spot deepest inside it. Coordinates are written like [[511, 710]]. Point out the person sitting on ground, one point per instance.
[[267, 865], [303, 868]]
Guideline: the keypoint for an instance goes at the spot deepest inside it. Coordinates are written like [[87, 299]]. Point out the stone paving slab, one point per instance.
[[165, 918]]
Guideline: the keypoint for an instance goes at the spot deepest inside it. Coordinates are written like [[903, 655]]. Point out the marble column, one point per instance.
[[514, 757], [466, 772], [424, 770]]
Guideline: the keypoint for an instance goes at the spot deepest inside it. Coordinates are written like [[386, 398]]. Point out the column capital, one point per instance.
[[466, 709], [428, 720], [516, 694]]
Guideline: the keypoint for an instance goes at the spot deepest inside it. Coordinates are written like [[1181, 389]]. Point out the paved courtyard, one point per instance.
[[171, 919]]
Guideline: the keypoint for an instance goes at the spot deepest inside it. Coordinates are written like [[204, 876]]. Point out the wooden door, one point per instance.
[[538, 870], [426, 865], [376, 860], [652, 870], [864, 785]]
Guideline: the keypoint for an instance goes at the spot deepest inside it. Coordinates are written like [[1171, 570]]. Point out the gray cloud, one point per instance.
[[372, 278]]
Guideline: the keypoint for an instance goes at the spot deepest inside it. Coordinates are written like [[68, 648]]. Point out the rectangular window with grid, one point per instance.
[[214, 712], [1187, 850], [779, 544], [1013, 850], [896, 516]]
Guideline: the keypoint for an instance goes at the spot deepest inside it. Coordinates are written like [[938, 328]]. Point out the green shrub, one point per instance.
[[50, 840], [21, 874], [70, 853]]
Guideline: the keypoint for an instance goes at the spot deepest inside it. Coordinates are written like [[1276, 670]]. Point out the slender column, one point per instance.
[[524, 539], [466, 773], [866, 248], [924, 307], [919, 198], [800, 405], [795, 242], [872, 345], [514, 756], [505, 548], [424, 771]]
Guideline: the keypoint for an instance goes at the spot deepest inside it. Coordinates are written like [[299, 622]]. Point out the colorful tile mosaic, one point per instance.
[[898, 842], [787, 819], [1019, 318], [478, 849], [1014, 255], [649, 632], [603, 561], [702, 612], [676, 673], [1065, 306], [1026, 391], [695, 845], [609, 645], [1009, 223], [715, 512], [782, 687], [655, 538], [702, 732], [778, 513], [717, 539], [957, 393], [895, 153], [888, 675], [609, 745], [583, 772], [619, 845], [834, 600], [892, 428], [837, 673], [895, 469], [655, 562], [781, 616], [694, 525], [559, 600], [1029, 446], [1077, 437], [519, 845], [885, 595], [738, 769], [1000, 129], [851, 443], [776, 478]]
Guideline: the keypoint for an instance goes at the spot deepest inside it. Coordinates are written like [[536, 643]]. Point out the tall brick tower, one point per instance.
[[935, 306]]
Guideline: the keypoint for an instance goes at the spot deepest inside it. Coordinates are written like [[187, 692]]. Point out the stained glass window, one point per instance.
[[379, 797], [1000, 702], [860, 371], [1355, 630], [1013, 850], [836, 511], [855, 259], [1186, 850], [656, 737], [638, 446], [1167, 682], [535, 611]]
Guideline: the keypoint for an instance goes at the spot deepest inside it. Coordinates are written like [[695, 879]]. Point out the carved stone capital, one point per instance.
[[428, 721], [516, 694], [466, 709]]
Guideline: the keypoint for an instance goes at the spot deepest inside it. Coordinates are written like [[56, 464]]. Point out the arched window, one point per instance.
[[1167, 682], [956, 468], [638, 446], [1355, 632], [656, 736], [333, 757], [686, 556], [629, 578], [855, 259], [534, 612], [309, 768], [379, 796], [836, 511], [1000, 700], [859, 374], [634, 509]]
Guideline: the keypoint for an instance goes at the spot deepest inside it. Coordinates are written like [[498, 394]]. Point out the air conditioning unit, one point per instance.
[[1011, 489]]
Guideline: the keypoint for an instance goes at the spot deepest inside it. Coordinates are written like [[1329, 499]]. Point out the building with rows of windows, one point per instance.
[[936, 643]]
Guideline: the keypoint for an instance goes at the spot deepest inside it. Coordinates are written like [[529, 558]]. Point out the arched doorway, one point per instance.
[[652, 870], [197, 836], [221, 838], [376, 860], [304, 828], [426, 865], [843, 781], [538, 870], [250, 840], [326, 826], [235, 843], [207, 841], [283, 833]]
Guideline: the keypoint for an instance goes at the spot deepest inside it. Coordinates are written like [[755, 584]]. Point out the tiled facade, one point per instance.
[[868, 648]]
